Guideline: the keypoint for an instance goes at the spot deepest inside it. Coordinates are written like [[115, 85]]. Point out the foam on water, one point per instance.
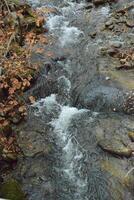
[[61, 124], [56, 23], [59, 25], [69, 35], [72, 8], [62, 80], [72, 153], [47, 102], [105, 11]]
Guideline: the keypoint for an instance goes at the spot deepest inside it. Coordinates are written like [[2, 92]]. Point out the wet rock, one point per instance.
[[115, 146], [131, 135], [89, 6], [16, 119], [116, 44], [36, 176], [99, 2], [102, 98], [129, 180], [12, 190], [109, 23], [130, 23], [112, 51], [128, 105], [125, 65], [33, 143], [93, 34], [103, 50], [111, 27]]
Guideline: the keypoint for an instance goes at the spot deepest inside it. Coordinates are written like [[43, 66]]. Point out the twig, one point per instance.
[[7, 6], [9, 42], [129, 171]]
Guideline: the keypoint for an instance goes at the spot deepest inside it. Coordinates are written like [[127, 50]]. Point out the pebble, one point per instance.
[[107, 78], [108, 23]]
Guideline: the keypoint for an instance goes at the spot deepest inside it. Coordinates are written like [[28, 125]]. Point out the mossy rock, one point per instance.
[[12, 190]]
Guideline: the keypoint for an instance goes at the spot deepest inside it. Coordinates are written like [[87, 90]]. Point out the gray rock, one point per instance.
[[115, 146]]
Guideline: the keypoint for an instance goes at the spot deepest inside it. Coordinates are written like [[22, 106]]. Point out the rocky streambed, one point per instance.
[[77, 142]]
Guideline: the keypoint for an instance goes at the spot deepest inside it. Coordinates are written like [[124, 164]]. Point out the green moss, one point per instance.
[[12, 190]]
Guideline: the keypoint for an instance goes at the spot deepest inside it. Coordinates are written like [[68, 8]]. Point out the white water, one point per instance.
[[59, 25], [48, 103], [64, 84], [105, 11], [67, 35], [72, 152]]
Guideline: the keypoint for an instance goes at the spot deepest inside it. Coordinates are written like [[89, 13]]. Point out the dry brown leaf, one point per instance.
[[22, 109], [40, 21], [11, 90], [32, 99], [16, 84], [26, 83]]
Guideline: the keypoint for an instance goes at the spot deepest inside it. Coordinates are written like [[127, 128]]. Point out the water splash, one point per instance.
[[46, 103], [71, 152]]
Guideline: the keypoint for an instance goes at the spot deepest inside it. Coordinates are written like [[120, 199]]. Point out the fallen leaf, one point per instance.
[[22, 109], [40, 21], [32, 99]]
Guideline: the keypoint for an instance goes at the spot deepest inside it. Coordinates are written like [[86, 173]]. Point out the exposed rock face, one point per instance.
[[34, 169], [104, 138]]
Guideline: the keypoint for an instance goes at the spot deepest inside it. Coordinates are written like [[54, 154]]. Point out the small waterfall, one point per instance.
[[72, 154]]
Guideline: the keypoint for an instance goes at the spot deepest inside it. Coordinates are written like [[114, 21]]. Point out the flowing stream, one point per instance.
[[71, 184], [78, 174]]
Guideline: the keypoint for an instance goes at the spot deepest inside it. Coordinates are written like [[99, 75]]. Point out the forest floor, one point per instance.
[[21, 27]]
